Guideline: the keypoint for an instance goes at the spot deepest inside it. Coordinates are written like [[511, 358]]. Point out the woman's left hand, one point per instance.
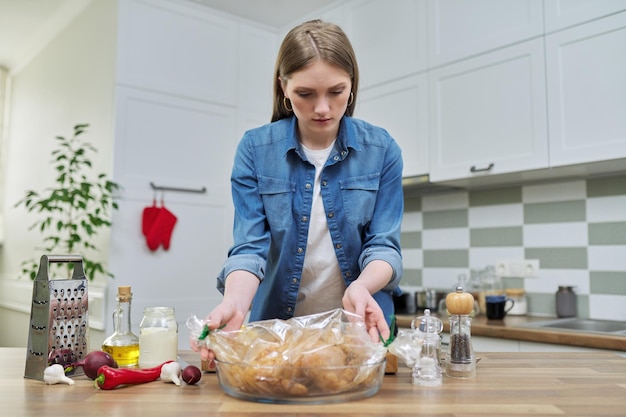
[[358, 300]]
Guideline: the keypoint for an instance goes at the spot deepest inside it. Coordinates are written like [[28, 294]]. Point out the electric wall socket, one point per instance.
[[519, 268]]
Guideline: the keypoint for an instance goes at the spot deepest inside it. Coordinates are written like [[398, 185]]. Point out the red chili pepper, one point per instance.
[[110, 378]]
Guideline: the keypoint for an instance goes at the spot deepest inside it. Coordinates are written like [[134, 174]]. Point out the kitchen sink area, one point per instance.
[[582, 325], [575, 331]]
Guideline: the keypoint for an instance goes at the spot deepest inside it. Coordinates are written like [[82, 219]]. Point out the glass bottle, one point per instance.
[[491, 284], [158, 337], [123, 345]]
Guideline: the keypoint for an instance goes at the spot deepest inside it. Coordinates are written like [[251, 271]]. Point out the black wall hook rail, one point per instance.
[[177, 189]]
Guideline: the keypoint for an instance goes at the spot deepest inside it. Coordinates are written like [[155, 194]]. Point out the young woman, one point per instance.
[[317, 195]]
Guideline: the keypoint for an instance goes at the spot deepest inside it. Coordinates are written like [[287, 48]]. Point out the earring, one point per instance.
[[351, 99], [285, 104]]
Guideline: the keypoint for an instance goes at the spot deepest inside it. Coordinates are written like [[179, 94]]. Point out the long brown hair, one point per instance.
[[306, 43]]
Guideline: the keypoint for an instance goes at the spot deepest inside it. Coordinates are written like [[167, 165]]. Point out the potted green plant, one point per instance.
[[75, 209]]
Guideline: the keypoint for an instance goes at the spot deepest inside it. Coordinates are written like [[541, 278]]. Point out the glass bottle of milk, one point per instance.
[[158, 337]]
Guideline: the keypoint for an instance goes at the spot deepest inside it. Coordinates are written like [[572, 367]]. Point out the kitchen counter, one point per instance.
[[574, 384], [516, 328]]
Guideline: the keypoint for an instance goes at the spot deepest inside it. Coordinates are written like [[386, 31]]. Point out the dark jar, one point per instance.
[[565, 302]]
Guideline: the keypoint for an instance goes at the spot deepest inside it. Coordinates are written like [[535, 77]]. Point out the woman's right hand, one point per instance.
[[225, 314], [240, 287]]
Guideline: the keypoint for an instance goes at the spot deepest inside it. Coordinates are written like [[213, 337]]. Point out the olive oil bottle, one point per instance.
[[123, 345]]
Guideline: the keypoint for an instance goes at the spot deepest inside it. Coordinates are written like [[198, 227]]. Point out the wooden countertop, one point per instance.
[[574, 384], [515, 328]]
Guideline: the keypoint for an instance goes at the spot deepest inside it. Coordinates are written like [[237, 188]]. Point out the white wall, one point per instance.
[[4, 86], [70, 81]]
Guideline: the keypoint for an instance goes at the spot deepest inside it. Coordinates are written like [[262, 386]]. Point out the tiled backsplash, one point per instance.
[[576, 229]]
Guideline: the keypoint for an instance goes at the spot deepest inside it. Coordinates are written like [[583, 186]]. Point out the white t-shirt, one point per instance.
[[321, 285]]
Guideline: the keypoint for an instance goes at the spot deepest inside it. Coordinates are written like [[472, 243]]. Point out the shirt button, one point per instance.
[[331, 214], [294, 280], [289, 309], [343, 153], [348, 274], [336, 158], [338, 245], [324, 183], [305, 219], [307, 186], [300, 250]]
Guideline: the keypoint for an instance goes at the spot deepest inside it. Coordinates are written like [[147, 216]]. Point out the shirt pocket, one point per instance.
[[359, 197], [277, 195]]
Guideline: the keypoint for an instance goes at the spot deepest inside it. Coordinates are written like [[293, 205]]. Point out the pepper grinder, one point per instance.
[[461, 362], [427, 369]]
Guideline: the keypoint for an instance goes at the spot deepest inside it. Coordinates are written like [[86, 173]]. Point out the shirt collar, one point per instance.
[[346, 137]]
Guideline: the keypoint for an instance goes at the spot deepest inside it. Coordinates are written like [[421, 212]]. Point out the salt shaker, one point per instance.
[[427, 369], [158, 337]]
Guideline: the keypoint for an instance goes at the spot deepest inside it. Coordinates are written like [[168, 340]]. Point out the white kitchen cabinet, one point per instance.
[[563, 13], [389, 41], [487, 115], [458, 28], [586, 67], [401, 108], [257, 56], [177, 49], [172, 141]]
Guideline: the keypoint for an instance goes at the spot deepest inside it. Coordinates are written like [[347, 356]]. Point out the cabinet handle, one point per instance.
[[474, 170]]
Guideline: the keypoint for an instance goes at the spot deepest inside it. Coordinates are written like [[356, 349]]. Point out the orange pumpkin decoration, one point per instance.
[[459, 302]]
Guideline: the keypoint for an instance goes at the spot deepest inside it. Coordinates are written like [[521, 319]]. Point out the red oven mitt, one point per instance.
[[148, 217], [161, 230]]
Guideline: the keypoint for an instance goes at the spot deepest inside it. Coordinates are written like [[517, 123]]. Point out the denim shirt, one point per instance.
[[272, 190]]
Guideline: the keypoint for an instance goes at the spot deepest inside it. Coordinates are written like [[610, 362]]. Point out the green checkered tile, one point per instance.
[[497, 236], [559, 258], [511, 282], [608, 282], [411, 240], [604, 187], [446, 258], [555, 212], [445, 219], [509, 195], [582, 306], [412, 277], [412, 203], [541, 304], [613, 233]]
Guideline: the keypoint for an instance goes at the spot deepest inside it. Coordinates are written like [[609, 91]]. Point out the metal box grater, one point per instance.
[[59, 321]]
